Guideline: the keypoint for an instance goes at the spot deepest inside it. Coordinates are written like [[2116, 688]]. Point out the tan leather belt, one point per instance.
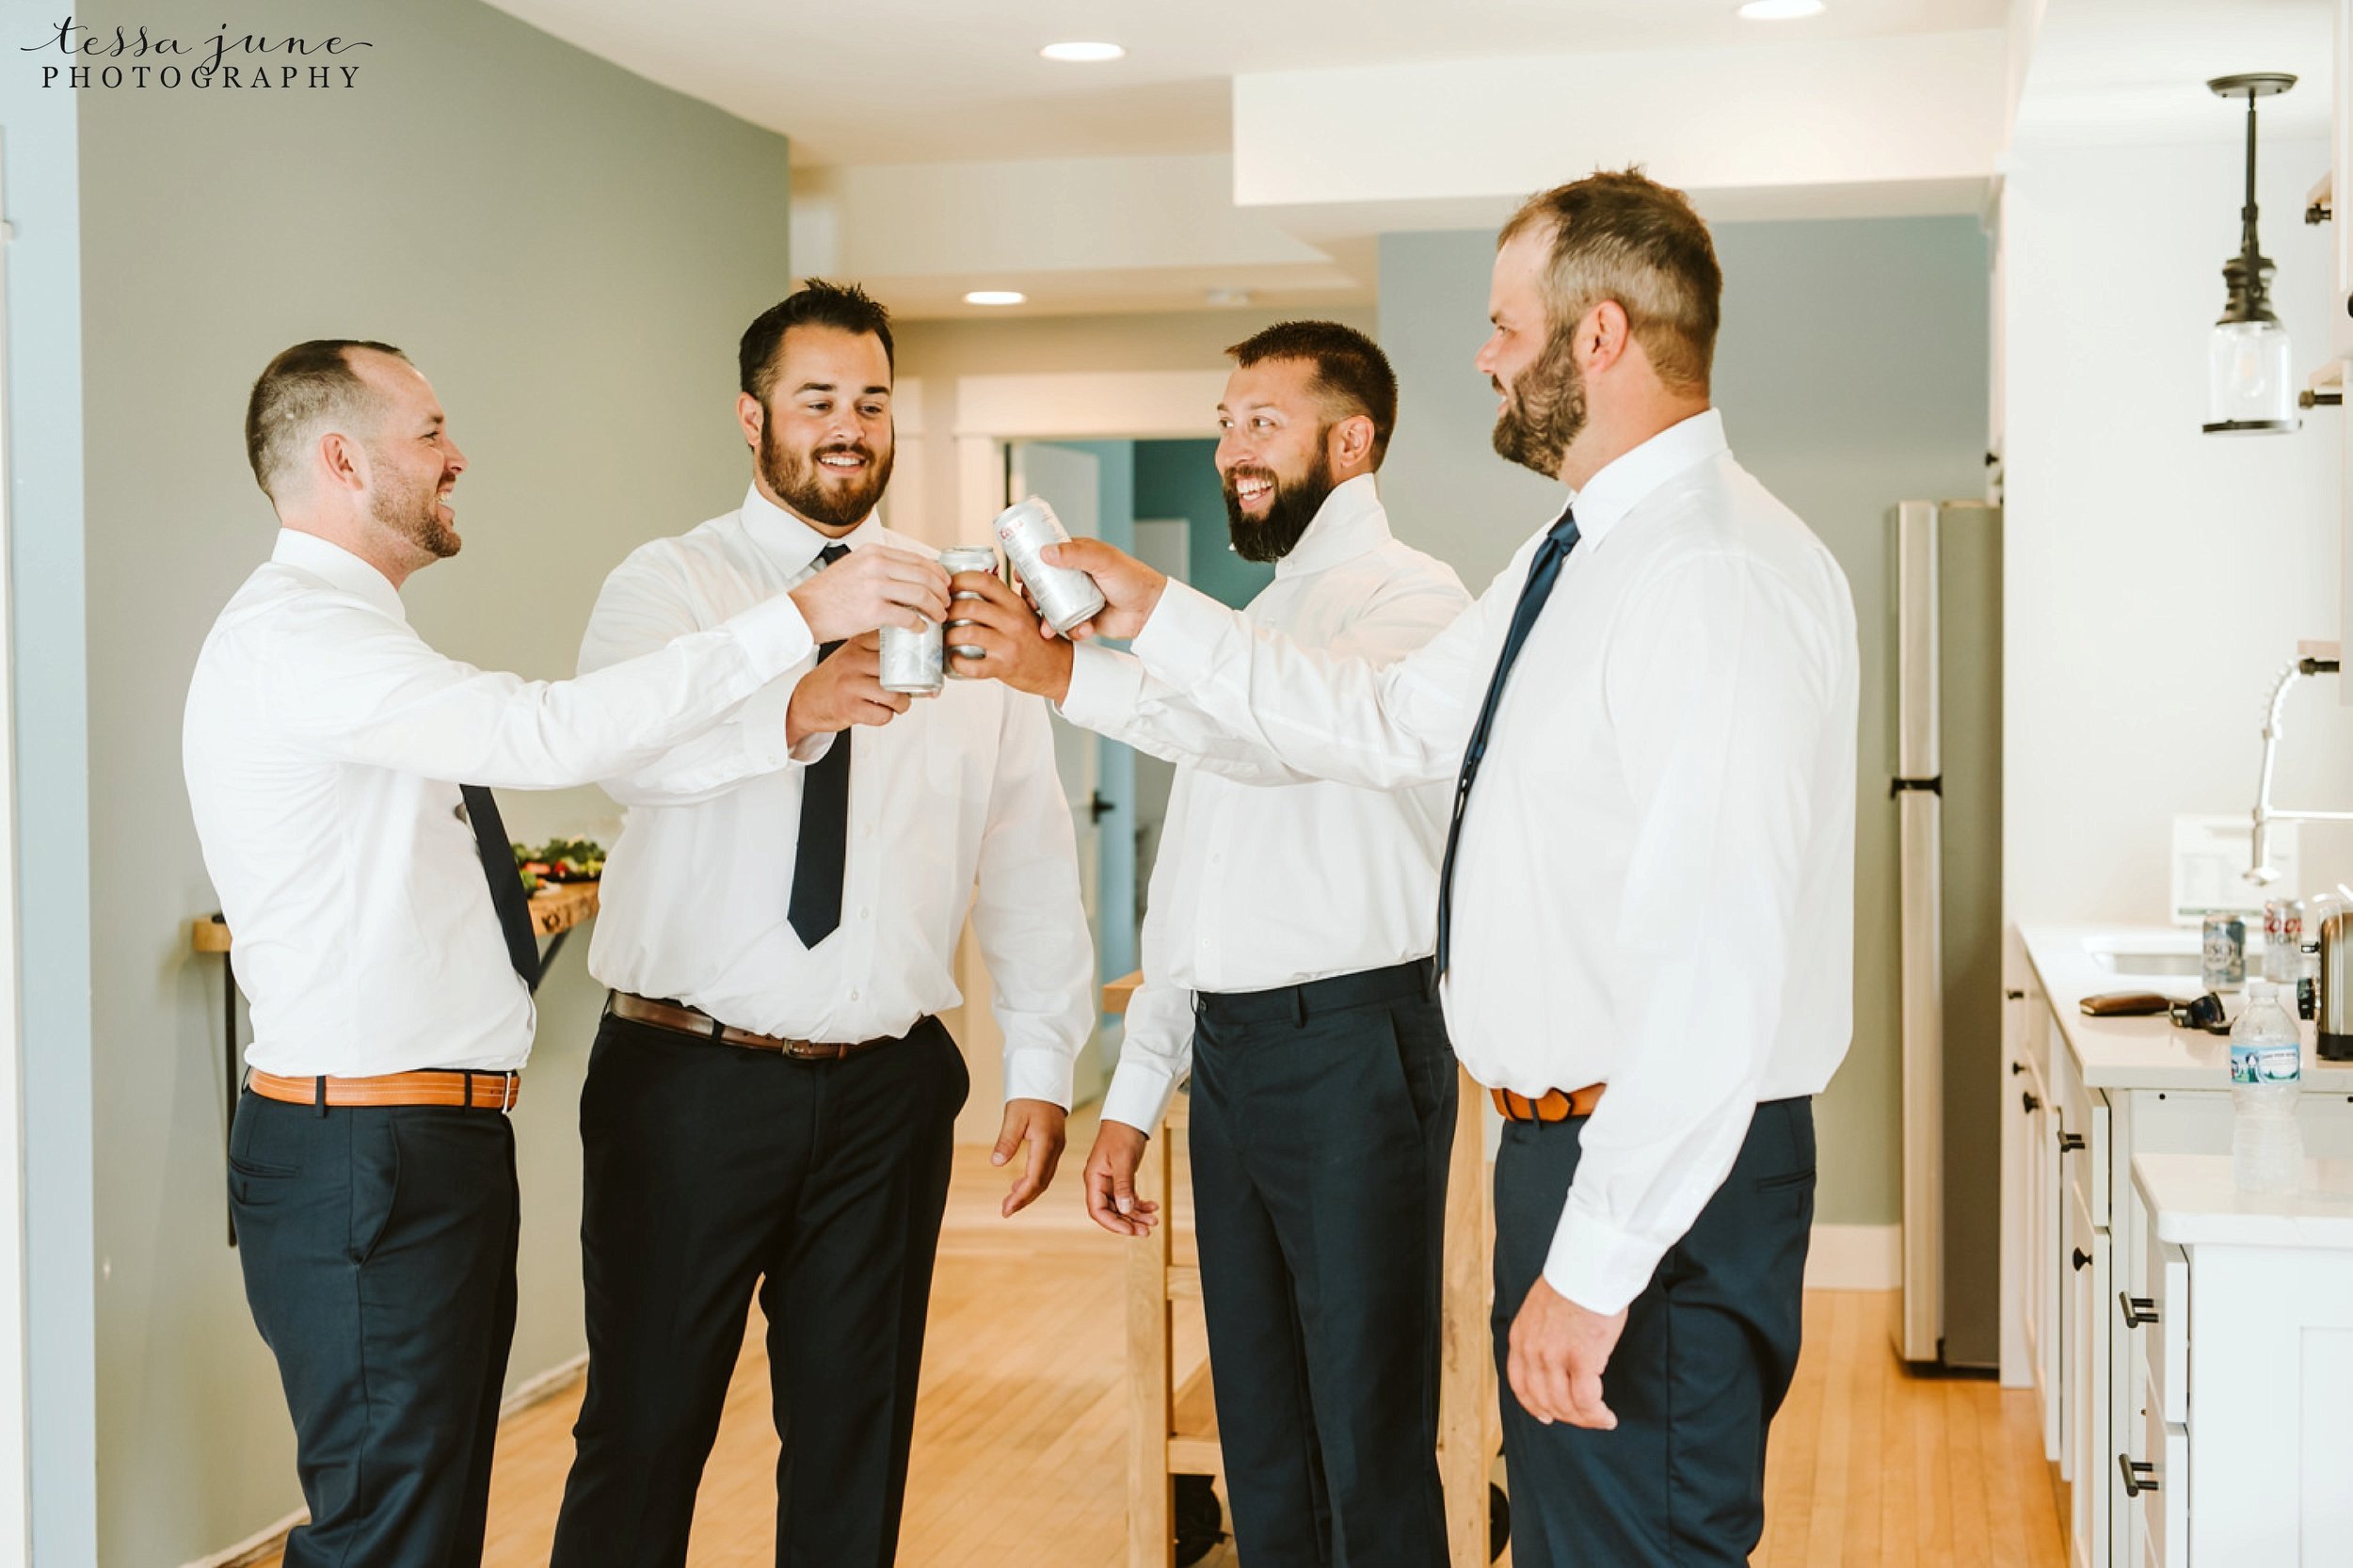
[[471, 1091], [1553, 1105], [690, 1020]]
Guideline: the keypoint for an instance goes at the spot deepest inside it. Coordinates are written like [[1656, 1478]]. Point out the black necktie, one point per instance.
[[1542, 569], [506, 885], [816, 907]]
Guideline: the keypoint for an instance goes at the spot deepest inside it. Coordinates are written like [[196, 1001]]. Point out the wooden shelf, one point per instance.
[[556, 908]]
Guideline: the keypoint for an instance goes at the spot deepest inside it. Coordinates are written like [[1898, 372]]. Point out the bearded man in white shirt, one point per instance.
[[772, 1099], [382, 935], [1286, 963], [1646, 926]]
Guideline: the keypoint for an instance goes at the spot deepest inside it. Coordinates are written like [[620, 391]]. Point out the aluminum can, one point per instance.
[[2225, 948], [2283, 935], [1065, 596], [957, 561], [912, 661]]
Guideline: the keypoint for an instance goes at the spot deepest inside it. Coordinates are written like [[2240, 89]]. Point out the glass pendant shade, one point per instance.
[[2248, 389]]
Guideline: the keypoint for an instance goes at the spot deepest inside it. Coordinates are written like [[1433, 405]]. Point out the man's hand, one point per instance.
[[872, 587], [845, 689], [1130, 588], [1038, 1124], [1005, 629], [1110, 1179], [1559, 1349]]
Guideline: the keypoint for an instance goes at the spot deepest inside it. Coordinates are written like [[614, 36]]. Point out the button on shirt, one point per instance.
[[1654, 883], [958, 790], [323, 745], [1257, 887]]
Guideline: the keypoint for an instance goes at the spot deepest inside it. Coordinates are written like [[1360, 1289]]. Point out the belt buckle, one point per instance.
[[509, 1093]]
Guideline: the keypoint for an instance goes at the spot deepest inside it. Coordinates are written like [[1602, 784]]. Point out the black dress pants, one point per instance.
[[378, 1251], [1708, 1350], [1321, 1125], [713, 1169]]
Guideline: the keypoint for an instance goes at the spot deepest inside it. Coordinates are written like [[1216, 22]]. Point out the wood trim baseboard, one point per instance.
[[1855, 1258]]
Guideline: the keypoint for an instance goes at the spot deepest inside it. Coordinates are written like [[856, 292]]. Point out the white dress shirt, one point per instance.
[[324, 745], [1263, 887], [1655, 885], [959, 790]]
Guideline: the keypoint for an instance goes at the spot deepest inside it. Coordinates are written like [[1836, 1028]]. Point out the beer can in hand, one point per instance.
[[1065, 596], [957, 561], [912, 661]]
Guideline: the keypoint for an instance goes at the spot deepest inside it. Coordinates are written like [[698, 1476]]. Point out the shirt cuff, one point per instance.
[[761, 720], [1106, 686], [1599, 1266], [1038, 1073], [1139, 1096], [774, 636], [1176, 643]]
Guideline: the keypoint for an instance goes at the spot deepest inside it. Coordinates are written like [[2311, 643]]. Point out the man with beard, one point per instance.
[[1323, 1088], [383, 939], [1646, 909], [770, 1100]]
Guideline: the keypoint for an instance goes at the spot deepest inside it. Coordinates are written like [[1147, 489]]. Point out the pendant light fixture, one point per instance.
[[2248, 389]]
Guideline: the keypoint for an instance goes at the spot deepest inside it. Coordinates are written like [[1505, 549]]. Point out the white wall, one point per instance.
[[2157, 578]]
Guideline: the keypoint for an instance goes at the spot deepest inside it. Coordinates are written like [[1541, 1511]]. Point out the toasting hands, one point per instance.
[[872, 587], [845, 689], [1006, 631], [1131, 589]]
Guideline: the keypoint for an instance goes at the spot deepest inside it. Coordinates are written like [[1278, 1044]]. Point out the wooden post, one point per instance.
[[1468, 1420], [1151, 1489]]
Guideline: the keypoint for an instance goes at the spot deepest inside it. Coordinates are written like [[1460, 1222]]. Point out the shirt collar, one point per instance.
[[339, 568], [1349, 522], [1629, 478], [791, 543]]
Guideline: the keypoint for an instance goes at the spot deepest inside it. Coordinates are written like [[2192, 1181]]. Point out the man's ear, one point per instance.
[[342, 461], [1351, 442], [751, 416], [1603, 337]]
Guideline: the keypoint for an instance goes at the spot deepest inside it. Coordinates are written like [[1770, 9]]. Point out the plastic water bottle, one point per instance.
[[2267, 1078]]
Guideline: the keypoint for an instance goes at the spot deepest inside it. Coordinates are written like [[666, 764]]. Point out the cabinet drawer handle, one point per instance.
[[2082, 1259], [2069, 1142], [2139, 1475], [2139, 1311], [2017, 1067], [2028, 1100], [2014, 996]]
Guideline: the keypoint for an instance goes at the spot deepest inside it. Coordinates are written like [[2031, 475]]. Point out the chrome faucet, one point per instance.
[[2321, 661]]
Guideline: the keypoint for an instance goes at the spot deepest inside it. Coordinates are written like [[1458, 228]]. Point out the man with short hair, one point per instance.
[[382, 935], [1286, 963], [772, 1099], [1646, 911]]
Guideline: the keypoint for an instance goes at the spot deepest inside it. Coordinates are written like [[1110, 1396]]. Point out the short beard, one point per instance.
[[414, 514], [1544, 412], [801, 485], [1295, 507]]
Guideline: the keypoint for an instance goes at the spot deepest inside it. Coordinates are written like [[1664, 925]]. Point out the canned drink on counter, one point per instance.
[[912, 661], [2225, 949], [1065, 596], [957, 561]]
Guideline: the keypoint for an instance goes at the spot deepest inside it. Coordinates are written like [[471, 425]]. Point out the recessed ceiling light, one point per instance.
[[1083, 54], [1781, 10], [1228, 296], [996, 297]]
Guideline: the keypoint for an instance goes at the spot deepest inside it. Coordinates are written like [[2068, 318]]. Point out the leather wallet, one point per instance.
[[2125, 1005]]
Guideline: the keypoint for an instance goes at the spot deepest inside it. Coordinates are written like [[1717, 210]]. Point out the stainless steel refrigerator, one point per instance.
[[1947, 796]]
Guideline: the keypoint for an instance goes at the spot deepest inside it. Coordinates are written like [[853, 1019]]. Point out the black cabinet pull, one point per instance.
[[2014, 996], [2069, 1142], [2139, 1475], [2082, 1259], [2017, 1067], [2026, 1098], [2138, 1311]]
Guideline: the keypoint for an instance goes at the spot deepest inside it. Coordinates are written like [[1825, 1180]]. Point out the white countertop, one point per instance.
[[2148, 1052], [2197, 1202]]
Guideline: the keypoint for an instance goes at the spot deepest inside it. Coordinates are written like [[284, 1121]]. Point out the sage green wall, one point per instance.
[[1852, 374], [570, 253]]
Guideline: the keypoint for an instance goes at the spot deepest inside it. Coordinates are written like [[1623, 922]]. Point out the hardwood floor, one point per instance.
[[1019, 1456]]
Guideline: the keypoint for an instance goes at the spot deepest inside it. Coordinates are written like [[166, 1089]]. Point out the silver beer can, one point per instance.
[[1065, 596], [912, 661], [2223, 946], [957, 561]]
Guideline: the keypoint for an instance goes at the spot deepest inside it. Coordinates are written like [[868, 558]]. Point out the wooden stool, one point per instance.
[[1173, 1430]]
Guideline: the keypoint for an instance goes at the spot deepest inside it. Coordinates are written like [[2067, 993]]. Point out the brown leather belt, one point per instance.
[[1553, 1105], [690, 1020], [470, 1091]]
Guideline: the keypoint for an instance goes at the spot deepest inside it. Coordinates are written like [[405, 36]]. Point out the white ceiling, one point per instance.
[[908, 81], [2135, 70]]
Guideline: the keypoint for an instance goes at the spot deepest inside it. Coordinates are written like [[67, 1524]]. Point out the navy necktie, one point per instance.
[[507, 883], [1542, 569], [824, 839]]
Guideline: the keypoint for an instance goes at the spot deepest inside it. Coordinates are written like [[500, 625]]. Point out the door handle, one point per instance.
[[1098, 808], [2069, 1142], [2139, 1310], [2025, 1098], [2139, 1475], [2014, 996], [2082, 1259]]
